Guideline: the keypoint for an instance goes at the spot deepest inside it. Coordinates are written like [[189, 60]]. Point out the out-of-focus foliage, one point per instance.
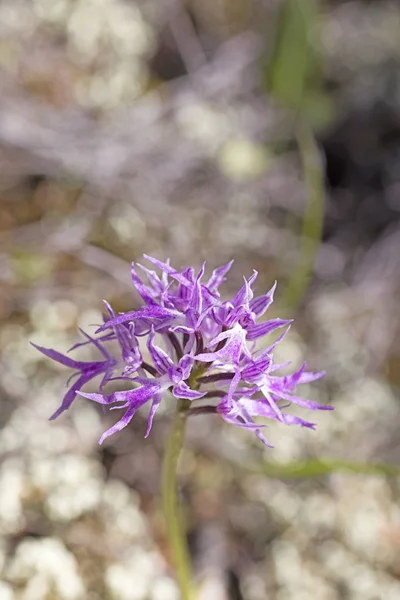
[[294, 60], [316, 468], [312, 228]]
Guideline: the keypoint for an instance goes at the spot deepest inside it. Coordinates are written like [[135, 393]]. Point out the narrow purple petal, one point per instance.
[[256, 369], [233, 350], [126, 419], [182, 329], [60, 358], [196, 300], [189, 274], [261, 408], [303, 402], [245, 294], [161, 360], [186, 363], [271, 401], [218, 276], [209, 356], [309, 376], [293, 420], [148, 312], [181, 390], [142, 289], [106, 377], [260, 304], [288, 382], [242, 419], [233, 385], [96, 343], [99, 398], [152, 277], [145, 380], [192, 317], [257, 431], [222, 336], [108, 337], [153, 409], [169, 270], [256, 331], [70, 396], [136, 397]]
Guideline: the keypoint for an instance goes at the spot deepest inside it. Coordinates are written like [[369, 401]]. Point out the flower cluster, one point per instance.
[[208, 351]]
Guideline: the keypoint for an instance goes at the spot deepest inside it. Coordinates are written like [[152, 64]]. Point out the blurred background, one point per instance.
[[261, 130]]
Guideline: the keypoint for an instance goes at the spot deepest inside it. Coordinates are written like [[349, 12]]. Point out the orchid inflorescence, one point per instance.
[[209, 352]]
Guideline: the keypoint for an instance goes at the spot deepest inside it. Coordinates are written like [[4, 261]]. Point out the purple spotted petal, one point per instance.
[[255, 370], [181, 390], [161, 360]]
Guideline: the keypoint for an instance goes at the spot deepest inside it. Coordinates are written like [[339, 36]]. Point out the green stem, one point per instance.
[[313, 217], [175, 534]]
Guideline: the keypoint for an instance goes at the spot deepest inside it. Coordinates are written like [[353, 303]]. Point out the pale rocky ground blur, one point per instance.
[[117, 138]]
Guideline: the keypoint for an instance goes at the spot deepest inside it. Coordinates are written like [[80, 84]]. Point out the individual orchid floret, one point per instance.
[[231, 345], [125, 335], [185, 341], [85, 371]]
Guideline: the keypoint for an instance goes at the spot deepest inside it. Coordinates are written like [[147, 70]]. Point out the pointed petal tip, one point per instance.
[[105, 435], [40, 348], [91, 396]]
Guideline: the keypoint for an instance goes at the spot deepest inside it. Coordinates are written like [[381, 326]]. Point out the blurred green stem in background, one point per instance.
[[175, 532], [293, 78], [313, 216], [315, 467]]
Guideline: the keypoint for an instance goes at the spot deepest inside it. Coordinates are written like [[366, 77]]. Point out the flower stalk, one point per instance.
[[191, 340], [175, 532]]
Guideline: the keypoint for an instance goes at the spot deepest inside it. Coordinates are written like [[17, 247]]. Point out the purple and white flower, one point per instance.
[[198, 347]]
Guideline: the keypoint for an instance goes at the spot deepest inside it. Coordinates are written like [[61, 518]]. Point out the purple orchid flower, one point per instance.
[[198, 346], [85, 370]]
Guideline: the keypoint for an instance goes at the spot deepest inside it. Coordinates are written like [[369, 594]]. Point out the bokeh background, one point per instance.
[[261, 130]]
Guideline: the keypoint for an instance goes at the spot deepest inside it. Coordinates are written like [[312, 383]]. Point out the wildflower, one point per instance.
[[194, 341]]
